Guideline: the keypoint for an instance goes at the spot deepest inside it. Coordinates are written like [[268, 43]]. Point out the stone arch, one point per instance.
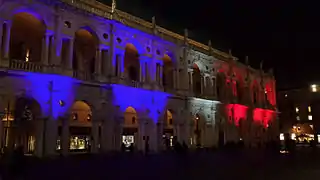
[[131, 62], [9, 9], [25, 105], [86, 43], [196, 79], [130, 117], [169, 120], [22, 130], [200, 66], [81, 111], [26, 36], [168, 71]]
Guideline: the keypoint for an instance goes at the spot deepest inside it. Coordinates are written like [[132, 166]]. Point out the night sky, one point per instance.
[[284, 34]]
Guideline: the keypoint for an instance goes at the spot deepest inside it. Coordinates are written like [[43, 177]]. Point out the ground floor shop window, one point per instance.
[[77, 144], [31, 144], [128, 140]]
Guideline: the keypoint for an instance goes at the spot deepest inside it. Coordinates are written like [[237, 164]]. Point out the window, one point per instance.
[[314, 88], [310, 117], [281, 137], [298, 118], [297, 110], [309, 109]]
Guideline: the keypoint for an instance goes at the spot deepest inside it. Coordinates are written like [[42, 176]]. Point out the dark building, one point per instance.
[[300, 113]]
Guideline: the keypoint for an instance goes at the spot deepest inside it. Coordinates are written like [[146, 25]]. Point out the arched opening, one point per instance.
[[168, 134], [81, 112], [255, 93], [27, 33], [130, 129], [79, 127], [131, 63], [220, 85], [239, 91], [168, 75], [21, 131], [196, 78], [197, 130], [84, 51]]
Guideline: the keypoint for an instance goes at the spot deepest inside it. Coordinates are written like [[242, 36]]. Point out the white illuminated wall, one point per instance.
[[207, 110]]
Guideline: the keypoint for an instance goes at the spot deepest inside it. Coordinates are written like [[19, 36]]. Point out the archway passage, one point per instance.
[[196, 78], [168, 75], [197, 130], [27, 33], [22, 130], [79, 127], [130, 129], [84, 52], [168, 131], [131, 63]]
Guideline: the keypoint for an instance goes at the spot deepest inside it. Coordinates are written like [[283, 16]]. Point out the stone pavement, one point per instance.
[[205, 165]]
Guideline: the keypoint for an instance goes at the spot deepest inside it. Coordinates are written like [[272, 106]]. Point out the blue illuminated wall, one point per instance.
[[62, 90], [140, 99]]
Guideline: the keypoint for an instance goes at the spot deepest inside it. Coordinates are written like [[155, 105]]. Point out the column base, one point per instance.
[[67, 72], [4, 63]]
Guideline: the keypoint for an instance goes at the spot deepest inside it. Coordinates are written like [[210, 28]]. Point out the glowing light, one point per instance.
[[27, 55], [310, 117], [281, 137], [309, 109], [152, 102], [314, 88], [297, 109], [293, 136], [263, 116]]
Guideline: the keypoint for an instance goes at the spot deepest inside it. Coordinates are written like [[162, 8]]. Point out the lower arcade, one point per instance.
[[53, 115]]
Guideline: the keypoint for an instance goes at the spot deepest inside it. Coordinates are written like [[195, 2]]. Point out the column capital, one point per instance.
[[103, 47]]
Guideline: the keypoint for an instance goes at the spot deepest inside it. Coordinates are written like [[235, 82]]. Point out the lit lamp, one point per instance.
[[314, 88]]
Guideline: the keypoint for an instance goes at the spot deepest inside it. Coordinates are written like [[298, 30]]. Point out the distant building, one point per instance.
[[300, 113]]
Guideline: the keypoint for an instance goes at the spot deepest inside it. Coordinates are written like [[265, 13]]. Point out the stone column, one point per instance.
[[70, 54], [97, 62], [178, 79], [190, 81], [142, 71], [1, 34], [51, 136], [7, 40], [174, 79], [45, 49], [153, 137], [65, 137], [112, 56], [161, 75], [141, 132], [160, 134], [202, 85], [107, 129], [95, 133], [39, 137]]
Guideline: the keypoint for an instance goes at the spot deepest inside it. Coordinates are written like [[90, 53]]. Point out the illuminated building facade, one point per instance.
[[299, 114], [82, 76]]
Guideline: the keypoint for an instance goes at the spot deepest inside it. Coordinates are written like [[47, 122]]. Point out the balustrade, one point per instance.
[[26, 66]]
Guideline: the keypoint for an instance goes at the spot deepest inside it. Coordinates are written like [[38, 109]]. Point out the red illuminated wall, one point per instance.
[[237, 112], [263, 116], [270, 90]]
